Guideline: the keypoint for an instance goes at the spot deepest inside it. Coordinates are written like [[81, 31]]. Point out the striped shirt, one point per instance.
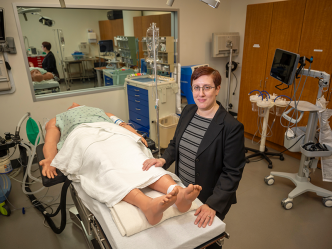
[[188, 147]]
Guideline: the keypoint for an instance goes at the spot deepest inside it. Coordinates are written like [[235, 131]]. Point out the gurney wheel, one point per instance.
[[5, 210], [269, 180], [247, 160], [327, 201], [282, 158], [287, 203]]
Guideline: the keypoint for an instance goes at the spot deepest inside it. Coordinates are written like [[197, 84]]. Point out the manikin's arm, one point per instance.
[[50, 148], [129, 128]]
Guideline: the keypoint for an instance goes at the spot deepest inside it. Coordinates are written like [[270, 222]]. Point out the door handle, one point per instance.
[[265, 83], [260, 83]]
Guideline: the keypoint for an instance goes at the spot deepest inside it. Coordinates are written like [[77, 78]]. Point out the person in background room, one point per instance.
[[49, 63]]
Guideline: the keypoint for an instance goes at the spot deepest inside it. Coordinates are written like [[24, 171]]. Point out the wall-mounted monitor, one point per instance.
[[2, 26], [106, 46], [284, 66]]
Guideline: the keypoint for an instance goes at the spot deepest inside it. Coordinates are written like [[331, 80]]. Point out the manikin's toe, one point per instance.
[[157, 206], [187, 196]]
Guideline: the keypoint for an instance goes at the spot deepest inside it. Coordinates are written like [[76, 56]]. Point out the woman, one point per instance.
[[208, 148], [49, 63]]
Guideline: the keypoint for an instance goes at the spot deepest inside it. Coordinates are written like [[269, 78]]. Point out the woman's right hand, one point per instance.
[[153, 162]]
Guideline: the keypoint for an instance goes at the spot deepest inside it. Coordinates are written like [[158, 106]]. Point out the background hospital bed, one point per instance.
[[46, 86], [95, 221]]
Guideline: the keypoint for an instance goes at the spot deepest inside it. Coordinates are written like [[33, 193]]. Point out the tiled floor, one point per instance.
[[257, 222]]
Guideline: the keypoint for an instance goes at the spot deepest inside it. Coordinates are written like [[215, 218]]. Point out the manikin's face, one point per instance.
[[205, 99], [73, 106]]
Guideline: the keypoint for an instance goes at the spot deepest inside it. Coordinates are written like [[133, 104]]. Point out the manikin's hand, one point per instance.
[[150, 162], [205, 216], [144, 141], [48, 170]]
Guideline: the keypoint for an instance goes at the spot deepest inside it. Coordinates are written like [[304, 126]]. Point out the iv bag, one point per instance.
[[152, 31]]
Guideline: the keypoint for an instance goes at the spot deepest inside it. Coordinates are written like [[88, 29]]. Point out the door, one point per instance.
[[256, 41]]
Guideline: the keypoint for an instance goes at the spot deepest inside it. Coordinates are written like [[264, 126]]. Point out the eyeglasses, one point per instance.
[[204, 88]]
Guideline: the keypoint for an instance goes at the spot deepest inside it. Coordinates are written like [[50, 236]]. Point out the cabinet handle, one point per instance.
[[136, 90], [329, 98], [265, 85], [136, 95], [260, 83], [138, 119], [137, 109], [137, 101]]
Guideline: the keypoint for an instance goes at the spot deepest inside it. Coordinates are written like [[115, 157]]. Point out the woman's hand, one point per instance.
[[150, 162], [48, 170], [205, 216]]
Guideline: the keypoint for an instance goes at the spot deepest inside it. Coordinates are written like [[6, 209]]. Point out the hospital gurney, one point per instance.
[[46, 86], [100, 231]]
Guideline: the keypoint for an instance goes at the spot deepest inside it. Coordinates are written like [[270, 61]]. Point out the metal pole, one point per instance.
[[156, 81], [230, 45]]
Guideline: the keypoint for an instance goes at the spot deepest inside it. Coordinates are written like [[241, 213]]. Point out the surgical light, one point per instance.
[[212, 3]]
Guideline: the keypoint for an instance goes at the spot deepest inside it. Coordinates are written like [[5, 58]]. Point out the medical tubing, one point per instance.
[[262, 96], [18, 127], [267, 93], [256, 91], [282, 96]]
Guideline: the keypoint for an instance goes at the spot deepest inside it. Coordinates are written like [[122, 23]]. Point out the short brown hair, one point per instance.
[[47, 45], [206, 71]]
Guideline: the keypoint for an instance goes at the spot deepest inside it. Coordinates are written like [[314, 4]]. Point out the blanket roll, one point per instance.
[[131, 220]]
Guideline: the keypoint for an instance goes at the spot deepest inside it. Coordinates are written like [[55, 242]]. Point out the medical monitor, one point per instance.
[[106, 46], [2, 26], [284, 66]]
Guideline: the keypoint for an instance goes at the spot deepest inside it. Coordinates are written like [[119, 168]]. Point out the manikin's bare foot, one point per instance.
[[155, 208], [186, 196]]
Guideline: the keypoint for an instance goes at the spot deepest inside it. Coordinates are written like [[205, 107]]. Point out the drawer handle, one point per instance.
[[137, 109], [138, 119], [137, 101], [136, 95], [136, 90]]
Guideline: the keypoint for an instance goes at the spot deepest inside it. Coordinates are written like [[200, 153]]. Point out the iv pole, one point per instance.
[[230, 46]]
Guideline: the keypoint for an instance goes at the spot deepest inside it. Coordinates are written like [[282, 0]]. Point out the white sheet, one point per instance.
[[107, 159], [131, 220], [176, 233]]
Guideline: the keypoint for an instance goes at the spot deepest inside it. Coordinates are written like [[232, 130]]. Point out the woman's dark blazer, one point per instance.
[[49, 63], [220, 158]]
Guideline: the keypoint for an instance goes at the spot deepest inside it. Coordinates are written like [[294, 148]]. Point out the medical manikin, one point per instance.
[[39, 74], [56, 133]]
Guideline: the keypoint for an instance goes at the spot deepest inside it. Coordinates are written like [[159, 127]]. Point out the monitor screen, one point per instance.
[[2, 26], [106, 46], [284, 66]]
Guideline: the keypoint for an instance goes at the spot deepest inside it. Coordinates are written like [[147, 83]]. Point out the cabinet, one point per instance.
[[299, 26], [36, 60], [128, 49], [109, 29]]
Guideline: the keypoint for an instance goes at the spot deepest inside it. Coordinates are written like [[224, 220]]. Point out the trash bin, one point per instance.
[[167, 127]]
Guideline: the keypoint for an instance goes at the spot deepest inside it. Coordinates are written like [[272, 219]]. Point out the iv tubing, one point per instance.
[[256, 91], [28, 171], [282, 96], [267, 93]]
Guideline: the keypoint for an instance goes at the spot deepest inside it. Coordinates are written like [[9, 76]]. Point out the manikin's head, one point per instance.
[[73, 106]]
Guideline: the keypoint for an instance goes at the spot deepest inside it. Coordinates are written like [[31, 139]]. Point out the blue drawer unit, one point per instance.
[[108, 81], [138, 102]]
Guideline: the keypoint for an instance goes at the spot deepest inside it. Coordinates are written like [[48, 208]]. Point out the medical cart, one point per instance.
[[141, 95], [116, 77]]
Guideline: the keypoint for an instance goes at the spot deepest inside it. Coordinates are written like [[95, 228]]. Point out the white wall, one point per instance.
[[197, 23], [237, 24], [74, 23], [128, 21]]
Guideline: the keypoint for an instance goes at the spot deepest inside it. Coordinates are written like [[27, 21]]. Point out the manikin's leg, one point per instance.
[[186, 195], [48, 76], [36, 76], [153, 209]]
